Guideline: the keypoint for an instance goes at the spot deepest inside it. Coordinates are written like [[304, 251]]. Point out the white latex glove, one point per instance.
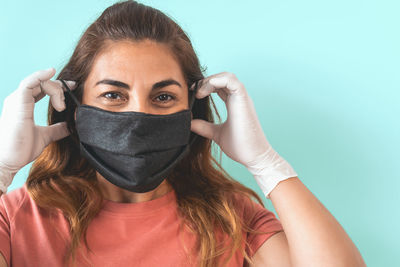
[[21, 141], [241, 137]]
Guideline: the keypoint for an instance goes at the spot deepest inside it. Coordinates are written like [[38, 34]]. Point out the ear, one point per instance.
[[75, 115]]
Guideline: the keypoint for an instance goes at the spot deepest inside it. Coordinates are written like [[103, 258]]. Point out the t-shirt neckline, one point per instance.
[[140, 208]]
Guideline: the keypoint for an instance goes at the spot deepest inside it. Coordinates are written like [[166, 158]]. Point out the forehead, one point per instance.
[[129, 61]]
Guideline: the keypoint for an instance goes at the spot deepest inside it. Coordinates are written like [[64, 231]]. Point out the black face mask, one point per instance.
[[133, 150]]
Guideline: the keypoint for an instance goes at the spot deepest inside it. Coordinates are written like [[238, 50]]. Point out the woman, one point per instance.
[[124, 173]]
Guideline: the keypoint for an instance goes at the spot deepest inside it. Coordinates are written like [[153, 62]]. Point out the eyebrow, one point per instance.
[[155, 86]]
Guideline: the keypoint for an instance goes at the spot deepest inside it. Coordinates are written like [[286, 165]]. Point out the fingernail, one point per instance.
[[71, 83], [194, 84]]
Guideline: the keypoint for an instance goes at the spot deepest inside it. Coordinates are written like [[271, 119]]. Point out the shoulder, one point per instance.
[[12, 201], [257, 218], [246, 205], [255, 214], [19, 211], [18, 203]]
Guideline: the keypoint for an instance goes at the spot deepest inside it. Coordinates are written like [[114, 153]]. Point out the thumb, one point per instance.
[[54, 132], [204, 128]]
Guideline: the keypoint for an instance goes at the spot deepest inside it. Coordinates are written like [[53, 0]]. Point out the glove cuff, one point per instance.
[[6, 176], [269, 170]]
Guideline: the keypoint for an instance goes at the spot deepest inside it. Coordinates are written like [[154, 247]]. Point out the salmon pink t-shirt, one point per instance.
[[122, 234]]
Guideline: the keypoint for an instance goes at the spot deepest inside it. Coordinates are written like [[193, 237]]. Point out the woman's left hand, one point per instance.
[[241, 136]]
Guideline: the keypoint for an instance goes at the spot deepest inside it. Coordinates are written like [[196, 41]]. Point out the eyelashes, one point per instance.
[[168, 95], [105, 95], [114, 96]]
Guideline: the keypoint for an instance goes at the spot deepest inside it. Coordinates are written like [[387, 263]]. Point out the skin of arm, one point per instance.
[[311, 237], [3, 262]]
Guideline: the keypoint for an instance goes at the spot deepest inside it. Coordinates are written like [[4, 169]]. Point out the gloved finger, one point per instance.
[[29, 88], [38, 93], [229, 82], [203, 87], [225, 81], [71, 84], [53, 132], [204, 128], [56, 93], [34, 79]]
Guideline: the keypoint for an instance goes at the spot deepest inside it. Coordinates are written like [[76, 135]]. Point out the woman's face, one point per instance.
[[141, 77]]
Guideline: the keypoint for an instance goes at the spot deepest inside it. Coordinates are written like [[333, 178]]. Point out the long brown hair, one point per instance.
[[63, 180]]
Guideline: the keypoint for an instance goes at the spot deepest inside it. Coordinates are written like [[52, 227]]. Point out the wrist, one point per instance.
[[268, 183], [269, 169], [6, 176]]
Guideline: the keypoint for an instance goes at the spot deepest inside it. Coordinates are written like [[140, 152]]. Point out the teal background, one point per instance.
[[323, 75]]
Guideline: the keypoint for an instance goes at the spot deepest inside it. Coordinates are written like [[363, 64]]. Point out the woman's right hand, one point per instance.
[[21, 141]]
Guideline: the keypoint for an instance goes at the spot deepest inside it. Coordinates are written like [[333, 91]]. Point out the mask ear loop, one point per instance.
[[193, 98], [191, 106], [70, 93]]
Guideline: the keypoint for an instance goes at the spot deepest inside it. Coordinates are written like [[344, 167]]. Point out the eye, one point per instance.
[[112, 96], [164, 98]]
